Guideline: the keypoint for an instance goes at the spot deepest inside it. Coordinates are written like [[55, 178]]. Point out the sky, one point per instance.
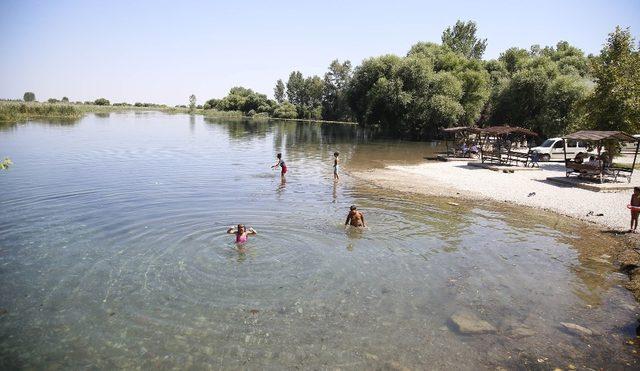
[[164, 51]]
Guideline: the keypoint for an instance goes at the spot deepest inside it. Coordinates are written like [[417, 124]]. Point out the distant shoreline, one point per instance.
[[16, 111]]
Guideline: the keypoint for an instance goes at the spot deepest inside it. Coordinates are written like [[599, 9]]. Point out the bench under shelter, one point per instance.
[[603, 168], [499, 145], [459, 137]]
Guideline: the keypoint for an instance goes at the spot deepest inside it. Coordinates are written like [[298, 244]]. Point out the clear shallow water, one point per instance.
[[113, 254]]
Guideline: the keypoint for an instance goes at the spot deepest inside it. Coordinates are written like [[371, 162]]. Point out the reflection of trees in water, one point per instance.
[[103, 114], [9, 126], [240, 128]]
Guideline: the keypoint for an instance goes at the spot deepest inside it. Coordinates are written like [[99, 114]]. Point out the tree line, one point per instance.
[[550, 90]]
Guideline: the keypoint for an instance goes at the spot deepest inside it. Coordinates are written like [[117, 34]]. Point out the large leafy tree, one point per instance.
[[334, 100], [537, 89], [245, 100], [462, 38], [614, 104], [433, 86]]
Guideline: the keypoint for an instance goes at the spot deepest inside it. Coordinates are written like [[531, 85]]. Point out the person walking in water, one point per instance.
[[280, 163], [242, 233], [355, 218], [336, 165]]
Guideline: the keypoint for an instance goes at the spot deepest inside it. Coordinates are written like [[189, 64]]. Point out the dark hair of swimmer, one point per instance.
[[353, 207], [279, 155], [336, 154]]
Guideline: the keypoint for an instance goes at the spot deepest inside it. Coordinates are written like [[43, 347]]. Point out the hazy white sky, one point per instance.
[[162, 51]]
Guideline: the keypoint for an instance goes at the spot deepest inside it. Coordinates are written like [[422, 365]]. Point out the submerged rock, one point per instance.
[[469, 323], [576, 329], [629, 260], [520, 331]]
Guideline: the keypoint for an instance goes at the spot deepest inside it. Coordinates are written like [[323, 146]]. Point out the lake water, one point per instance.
[[113, 254]]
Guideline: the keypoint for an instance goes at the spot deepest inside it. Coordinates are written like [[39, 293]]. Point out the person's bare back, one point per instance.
[[355, 218]]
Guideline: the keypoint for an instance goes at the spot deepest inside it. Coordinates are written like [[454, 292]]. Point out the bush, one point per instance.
[[29, 97], [102, 102], [285, 111]]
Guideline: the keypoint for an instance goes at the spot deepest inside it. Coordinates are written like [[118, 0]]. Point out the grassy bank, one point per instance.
[[11, 112]]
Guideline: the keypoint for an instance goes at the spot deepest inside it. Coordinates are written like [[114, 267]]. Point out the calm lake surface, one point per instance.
[[113, 254]]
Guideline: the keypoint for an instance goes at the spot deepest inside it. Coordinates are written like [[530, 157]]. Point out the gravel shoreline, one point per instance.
[[526, 188]]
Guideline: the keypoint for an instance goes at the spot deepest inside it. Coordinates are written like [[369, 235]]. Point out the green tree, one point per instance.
[[29, 97], [102, 102], [539, 90], [244, 100], [462, 38], [334, 100], [192, 103], [296, 88], [278, 91], [65, 100], [52, 100], [412, 97], [614, 104], [514, 59], [285, 110], [211, 104]]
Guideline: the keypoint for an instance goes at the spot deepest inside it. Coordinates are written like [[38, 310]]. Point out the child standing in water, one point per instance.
[[280, 162], [635, 202], [336, 165], [242, 233], [355, 218]]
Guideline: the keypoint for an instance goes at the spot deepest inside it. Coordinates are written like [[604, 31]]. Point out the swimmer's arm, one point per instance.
[[348, 218], [232, 231], [362, 217], [252, 231]]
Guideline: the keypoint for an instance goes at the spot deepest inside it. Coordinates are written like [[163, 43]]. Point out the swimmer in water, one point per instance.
[[242, 233], [355, 218], [280, 163]]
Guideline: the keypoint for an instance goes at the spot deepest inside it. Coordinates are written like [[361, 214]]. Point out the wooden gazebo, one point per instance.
[[454, 136], [603, 167], [502, 136]]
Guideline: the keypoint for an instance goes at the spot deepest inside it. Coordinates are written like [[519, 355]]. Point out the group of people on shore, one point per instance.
[[355, 218]]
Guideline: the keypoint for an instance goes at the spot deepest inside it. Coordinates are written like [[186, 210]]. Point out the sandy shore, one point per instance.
[[527, 188]]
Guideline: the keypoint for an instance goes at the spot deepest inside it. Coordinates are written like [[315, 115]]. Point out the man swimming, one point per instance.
[[242, 233], [355, 218]]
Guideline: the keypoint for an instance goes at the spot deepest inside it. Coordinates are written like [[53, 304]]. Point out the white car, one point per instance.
[[552, 149]]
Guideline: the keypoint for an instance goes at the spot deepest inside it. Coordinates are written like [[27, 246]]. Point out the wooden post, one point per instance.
[[634, 159], [564, 148]]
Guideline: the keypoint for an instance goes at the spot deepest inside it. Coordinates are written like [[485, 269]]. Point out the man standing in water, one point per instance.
[[355, 218]]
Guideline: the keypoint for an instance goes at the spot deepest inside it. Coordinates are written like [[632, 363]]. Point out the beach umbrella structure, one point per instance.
[[602, 167], [455, 137], [496, 144]]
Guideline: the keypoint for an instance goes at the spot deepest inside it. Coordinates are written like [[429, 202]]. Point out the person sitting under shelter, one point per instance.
[[594, 162]]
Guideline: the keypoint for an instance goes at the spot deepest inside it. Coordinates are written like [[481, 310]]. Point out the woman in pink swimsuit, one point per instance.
[[242, 233]]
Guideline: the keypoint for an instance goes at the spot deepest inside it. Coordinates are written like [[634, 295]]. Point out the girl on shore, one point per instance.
[[280, 163]]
